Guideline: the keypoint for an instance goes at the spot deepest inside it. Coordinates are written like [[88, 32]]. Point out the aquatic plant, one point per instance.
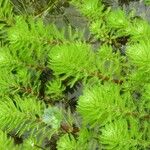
[[41, 66]]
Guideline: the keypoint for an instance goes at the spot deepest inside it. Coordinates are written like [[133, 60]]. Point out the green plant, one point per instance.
[[40, 66], [147, 2]]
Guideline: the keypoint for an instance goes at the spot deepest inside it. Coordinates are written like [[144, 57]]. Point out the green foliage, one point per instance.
[[25, 36], [5, 12], [140, 30], [99, 105], [147, 2], [67, 142], [6, 142], [117, 19], [60, 90], [139, 55], [109, 63], [18, 114], [89, 8], [116, 136], [55, 89], [72, 60], [146, 96], [6, 17]]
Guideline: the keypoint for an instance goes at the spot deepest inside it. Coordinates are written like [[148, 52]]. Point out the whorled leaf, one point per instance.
[[139, 55], [99, 105], [117, 19], [116, 136], [74, 60], [67, 142]]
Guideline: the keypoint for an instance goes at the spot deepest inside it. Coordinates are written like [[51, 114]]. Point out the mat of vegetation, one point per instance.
[[74, 75]]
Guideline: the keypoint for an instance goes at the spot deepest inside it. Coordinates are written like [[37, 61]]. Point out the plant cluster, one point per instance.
[[40, 64]]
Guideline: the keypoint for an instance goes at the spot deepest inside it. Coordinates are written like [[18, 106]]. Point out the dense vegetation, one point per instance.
[[62, 90]]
